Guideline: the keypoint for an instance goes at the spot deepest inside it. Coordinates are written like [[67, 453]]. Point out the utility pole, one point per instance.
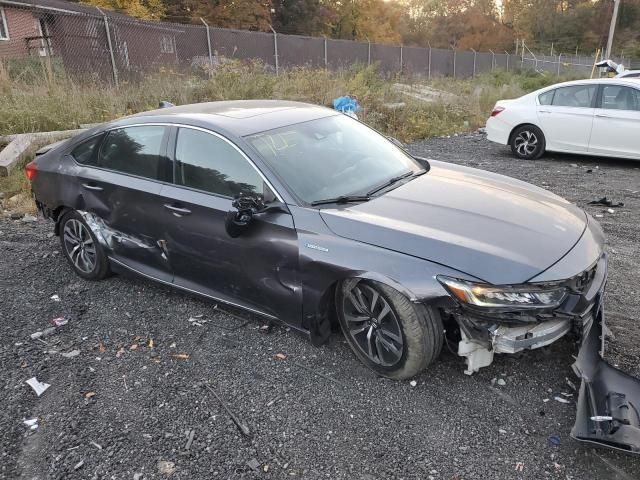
[[612, 26]]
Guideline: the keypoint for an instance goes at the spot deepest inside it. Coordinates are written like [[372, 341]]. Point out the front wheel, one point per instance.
[[528, 142], [391, 335], [81, 248]]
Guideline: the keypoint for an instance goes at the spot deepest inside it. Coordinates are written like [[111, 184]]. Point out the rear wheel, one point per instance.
[[528, 142], [84, 253], [391, 335]]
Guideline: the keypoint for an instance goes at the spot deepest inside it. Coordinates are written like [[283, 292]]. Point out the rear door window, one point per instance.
[[207, 162], [546, 98], [580, 96], [618, 97], [87, 152], [135, 151]]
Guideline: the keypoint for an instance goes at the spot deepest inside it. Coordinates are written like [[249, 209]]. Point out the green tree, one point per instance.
[[145, 9]]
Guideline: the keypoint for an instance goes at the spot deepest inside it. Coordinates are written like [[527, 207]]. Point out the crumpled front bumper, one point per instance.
[[608, 412]]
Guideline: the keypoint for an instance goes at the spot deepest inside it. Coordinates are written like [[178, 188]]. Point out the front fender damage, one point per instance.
[[609, 399]]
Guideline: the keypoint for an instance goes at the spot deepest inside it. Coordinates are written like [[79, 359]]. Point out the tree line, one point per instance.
[[551, 26]]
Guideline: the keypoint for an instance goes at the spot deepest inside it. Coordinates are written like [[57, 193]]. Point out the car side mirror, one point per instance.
[[237, 221]]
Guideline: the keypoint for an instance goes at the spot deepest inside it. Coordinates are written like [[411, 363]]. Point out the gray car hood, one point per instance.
[[493, 227]]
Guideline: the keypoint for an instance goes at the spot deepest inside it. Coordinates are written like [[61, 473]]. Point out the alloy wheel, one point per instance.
[[372, 325], [79, 246], [526, 143]]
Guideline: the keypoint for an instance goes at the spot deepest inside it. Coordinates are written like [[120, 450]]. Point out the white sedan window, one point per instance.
[[575, 96], [617, 97]]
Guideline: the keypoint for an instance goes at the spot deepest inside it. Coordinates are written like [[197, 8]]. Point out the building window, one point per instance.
[[166, 44], [4, 29]]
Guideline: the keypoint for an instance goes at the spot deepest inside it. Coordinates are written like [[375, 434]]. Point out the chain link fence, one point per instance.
[[86, 42]]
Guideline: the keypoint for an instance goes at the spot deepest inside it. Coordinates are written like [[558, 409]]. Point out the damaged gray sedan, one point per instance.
[[303, 215]]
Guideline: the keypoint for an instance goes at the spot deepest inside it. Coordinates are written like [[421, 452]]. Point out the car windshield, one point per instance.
[[332, 157]]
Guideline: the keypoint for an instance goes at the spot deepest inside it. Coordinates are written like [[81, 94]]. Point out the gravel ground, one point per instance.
[[134, 403]]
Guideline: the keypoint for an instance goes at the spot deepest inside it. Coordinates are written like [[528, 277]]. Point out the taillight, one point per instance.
[[496, 110], [31, 170]]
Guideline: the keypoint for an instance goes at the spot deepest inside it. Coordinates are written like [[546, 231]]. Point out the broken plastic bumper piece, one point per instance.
[[609, 400], [511, 339]]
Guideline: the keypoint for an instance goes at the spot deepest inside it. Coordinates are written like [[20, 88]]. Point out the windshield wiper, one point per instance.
[[342, 199], [393, 180]]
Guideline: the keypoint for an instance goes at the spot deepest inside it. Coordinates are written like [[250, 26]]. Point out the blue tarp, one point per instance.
[[346, 104]]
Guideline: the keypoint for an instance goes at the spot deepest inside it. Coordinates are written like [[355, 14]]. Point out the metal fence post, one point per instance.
[[454, 62], [110, 45], [493, 60], [429, 64], [475, 54], [326, 63], [208, 41], [559, 57], [368, 52], [507, 53], [275, 49], [401, 59]]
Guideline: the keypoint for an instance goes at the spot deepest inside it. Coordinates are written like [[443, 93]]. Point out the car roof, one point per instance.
[[240, 117], [635, 82]]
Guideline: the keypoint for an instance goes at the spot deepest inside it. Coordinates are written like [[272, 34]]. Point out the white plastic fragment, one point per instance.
[[38, 387], [55, 298], [561, 400], [611, 210], [501, 382], [413, 383], [32, 423], [71, 354]]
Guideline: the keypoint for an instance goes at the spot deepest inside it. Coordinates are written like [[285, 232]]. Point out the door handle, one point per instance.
[[92, 186], [178, 211], [544, 111], [602, 115]]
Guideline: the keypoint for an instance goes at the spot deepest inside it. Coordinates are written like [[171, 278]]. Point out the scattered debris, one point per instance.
[[280, 356], [71, 354], [605, 202], [38, 387], [554, 439], [151, 344], [97, 445], [413, 383], [561, 399], [502, 431], [59, 321], [241, 426], [44, 333], [574, 165], [32, 423], [192, 434], [253, 464], [89, 395], [166, 468], [78, 465], [55, 298], [501, 382], [610, 210], [519, 466], [180, 356]]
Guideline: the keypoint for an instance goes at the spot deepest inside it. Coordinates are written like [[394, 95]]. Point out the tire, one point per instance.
[[391, 335], [81, 248], [527, 142]]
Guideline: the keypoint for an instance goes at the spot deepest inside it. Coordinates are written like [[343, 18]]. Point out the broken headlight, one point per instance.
[[504, 296]]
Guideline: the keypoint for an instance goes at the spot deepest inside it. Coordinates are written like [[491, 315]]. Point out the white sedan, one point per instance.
[[589, 117]]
